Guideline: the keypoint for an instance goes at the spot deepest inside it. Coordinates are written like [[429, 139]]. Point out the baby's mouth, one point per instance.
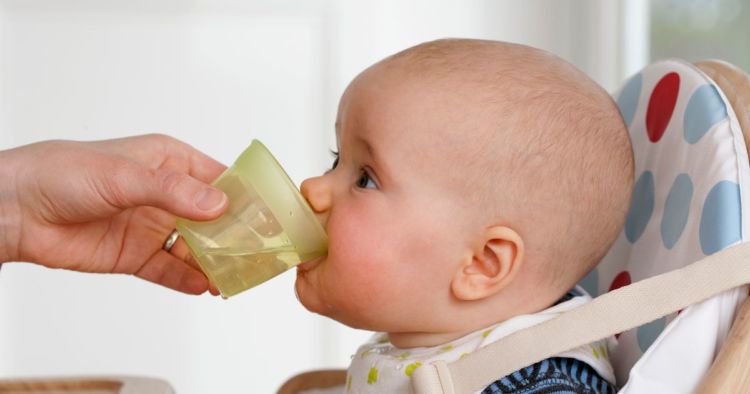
[[309, 265]]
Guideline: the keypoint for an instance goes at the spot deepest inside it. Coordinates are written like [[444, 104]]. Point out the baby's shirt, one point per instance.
[[379, 367]]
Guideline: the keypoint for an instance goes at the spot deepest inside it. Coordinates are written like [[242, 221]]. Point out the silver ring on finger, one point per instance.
[[171, 240]]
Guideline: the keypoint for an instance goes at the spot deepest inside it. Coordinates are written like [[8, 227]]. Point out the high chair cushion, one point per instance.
[[691, 182]]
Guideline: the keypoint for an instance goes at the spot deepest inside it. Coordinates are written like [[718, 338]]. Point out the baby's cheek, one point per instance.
[[355, 242], [361, 259]]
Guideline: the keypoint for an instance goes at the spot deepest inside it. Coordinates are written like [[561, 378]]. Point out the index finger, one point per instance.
[[163, 152], [204, 167]]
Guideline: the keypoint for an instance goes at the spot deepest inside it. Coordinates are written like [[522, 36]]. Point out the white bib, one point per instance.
[[380, 367]]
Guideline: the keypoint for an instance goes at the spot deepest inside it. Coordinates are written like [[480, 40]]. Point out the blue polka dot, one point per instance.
[[641, 207], [648, 333], [676, 210], [705, 109], [590, 283], [720, 221], [628, 99]]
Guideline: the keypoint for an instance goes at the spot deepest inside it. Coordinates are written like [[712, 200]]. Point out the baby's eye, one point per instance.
[[365, 181]]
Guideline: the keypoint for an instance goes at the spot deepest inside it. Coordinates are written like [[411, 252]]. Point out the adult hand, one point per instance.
[[107, 206]]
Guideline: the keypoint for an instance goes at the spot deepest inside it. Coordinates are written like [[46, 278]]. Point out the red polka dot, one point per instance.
[[622, 279], [661, 105]]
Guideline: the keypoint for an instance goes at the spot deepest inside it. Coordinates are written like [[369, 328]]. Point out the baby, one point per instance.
[[475, 184]]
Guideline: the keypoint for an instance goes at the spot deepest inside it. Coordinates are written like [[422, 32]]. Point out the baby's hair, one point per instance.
[[555, 164]]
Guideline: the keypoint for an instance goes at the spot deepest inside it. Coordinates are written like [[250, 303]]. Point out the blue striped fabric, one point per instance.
[[553, 375]]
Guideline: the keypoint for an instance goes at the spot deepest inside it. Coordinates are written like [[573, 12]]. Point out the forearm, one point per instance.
[[9, 207]]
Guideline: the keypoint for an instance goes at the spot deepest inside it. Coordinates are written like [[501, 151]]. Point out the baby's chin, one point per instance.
[[300, 291], [307, 296], [311, 300]]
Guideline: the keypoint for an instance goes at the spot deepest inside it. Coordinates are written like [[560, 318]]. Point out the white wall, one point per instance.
[[217, 74]]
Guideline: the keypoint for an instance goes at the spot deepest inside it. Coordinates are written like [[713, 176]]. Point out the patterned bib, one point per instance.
[[380, 367]]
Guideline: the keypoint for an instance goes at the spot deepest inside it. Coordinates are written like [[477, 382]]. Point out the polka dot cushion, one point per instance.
[[691, 182]]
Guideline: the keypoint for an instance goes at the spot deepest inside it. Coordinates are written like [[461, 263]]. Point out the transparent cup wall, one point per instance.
[[243, 248]]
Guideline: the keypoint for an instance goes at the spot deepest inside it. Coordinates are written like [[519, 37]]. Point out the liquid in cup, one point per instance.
[[267, 229]]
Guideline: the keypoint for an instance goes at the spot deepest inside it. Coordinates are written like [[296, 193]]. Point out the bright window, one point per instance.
[[701, 29]]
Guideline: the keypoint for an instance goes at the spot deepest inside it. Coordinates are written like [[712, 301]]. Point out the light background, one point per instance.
[[217, 74]]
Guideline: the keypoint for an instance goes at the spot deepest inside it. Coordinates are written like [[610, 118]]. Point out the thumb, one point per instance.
[[172, 191]]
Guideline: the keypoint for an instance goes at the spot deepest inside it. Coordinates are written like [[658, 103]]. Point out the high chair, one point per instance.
[[690, 126], [90, 385]]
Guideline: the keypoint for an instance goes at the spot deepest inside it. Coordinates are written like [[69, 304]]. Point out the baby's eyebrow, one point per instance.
[[368, 148], [377, 163]]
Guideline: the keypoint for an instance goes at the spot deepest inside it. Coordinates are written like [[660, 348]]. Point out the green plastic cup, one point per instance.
[[267, 229]]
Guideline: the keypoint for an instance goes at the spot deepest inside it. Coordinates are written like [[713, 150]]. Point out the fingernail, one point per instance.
[[209, 199]]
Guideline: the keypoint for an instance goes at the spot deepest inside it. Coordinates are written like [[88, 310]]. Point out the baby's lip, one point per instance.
[[308, 265]]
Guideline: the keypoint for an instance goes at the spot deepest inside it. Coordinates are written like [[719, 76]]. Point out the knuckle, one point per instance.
[[168, 145], [159, 137], [161, 140]]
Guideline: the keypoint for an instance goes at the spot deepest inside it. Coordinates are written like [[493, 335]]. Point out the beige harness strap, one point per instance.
[[614, 312]]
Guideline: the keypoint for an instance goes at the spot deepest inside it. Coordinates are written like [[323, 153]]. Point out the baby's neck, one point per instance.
[[423, 339], [470, 318]]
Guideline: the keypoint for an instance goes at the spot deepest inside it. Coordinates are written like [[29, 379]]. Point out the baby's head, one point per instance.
[[475, 181]]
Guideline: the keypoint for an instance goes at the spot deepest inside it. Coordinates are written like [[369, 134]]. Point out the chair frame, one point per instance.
[[730, 372], [86, 385]]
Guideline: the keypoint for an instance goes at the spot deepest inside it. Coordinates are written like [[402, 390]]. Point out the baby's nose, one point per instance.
[[317, 193]]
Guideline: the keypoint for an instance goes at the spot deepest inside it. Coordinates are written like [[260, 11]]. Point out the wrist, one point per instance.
[[9, 208]]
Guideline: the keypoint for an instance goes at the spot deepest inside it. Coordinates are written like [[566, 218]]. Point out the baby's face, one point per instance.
[[394, 225]]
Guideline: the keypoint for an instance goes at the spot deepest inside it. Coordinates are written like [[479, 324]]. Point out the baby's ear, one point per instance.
[[491, 267]]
